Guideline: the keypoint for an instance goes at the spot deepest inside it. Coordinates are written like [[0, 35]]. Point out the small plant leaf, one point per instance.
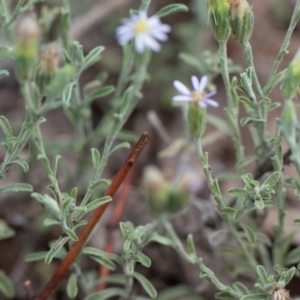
[[92, 57], [292, 257], [255, 297], [6, 127], [144, 260], [72, 235], [16, 187], [237, 192], [99, 93], [97, 202], [4, 73], [262, 273], [72, 289], [6, 286], [106, 294], [172, 9], [56, 247], [124, 145], [146, 284], [67, 94]]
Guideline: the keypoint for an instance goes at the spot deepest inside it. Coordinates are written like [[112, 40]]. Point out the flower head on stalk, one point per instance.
[[198, 95], [145, 31]]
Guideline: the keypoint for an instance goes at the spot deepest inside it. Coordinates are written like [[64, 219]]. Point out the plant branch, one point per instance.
[[95, 217]]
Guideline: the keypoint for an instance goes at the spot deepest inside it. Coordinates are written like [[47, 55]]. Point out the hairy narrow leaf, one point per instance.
[[172, 9], [6, 286], [146, 284], [72, 289]]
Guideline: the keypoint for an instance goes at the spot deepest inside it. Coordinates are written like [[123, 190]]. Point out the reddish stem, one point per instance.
[[117, 213], [95, 217]]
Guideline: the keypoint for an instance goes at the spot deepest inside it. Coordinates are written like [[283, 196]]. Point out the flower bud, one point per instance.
[[163, 198], [26, 50], [291, 80], [196, 120], [47, 68], [241, 20], [219, 17]]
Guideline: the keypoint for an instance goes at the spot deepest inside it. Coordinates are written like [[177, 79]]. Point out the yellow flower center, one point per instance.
[[141, 26], [197, 96]]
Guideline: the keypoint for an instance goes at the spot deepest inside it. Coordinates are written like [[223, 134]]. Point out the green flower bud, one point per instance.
[[47, 68], [219, 17], [196, 120], [241, 20], [291, 80], [163, 198], [26, 49]]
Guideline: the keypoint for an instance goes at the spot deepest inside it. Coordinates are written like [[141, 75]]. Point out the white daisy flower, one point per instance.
[[198, 95], [145, 32]]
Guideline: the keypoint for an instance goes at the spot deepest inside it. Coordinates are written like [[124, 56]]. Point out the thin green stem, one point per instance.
[[214, 188], [118, 122], [249, 57], [34, 124], [196, 261], [283, 50], [232, 111], [6, 16], [225, 72], [260, 109], [281, 203]]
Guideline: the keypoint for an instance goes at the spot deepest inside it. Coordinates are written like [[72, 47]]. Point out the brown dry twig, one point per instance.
[[113, 225], [95, 217]]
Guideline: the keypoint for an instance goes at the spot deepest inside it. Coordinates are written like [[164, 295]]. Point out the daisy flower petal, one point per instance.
[[182, 98], [208, 95], [195, 83], [203, 83], [211, 102], [181, 88]]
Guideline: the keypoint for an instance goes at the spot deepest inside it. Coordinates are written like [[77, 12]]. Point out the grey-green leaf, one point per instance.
[[67, 94], [95, 158], [16, 187], [122, 145], [293, 257], [6, 286], [56, 247], [237, 192], [72, 235], [255, 297], [146, 284], [106, 294], [72, 289], [6, 127], [262, 273], [92, 57], [97, 202], [4, 73], [272, 179], [172, 9], [144, 260], [99, 93]]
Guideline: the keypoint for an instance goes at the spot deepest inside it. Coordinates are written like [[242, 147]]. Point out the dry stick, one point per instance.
[[115, 218], [95, 217], [29, 289]]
